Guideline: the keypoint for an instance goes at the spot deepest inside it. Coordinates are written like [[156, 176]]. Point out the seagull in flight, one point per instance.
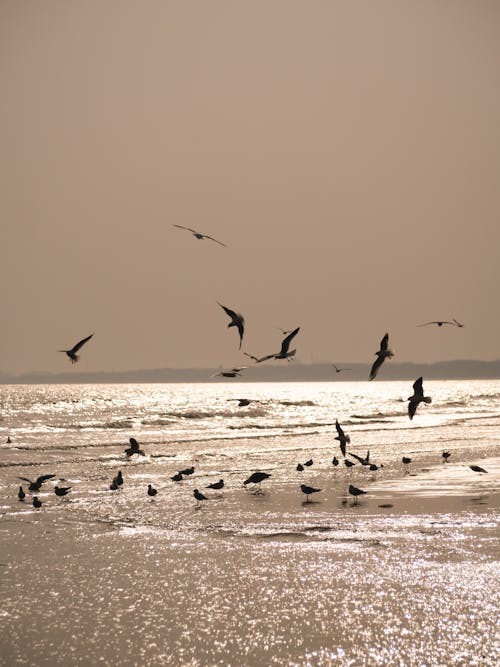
[[72, 354], [37, 484], [417, 398], [283, 353], [237, 320], [134, 448], [232, 373], [199, 235], [339, 370], [453, 322], [341, 437], [382, 354]]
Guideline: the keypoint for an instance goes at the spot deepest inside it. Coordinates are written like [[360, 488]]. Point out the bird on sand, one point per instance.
[[20, 494], [335, 461], [365, 461], [187, 471], [417, 398], [348, 464], [256, 478], [439, 323], [72, 353], [237, 320], [477, 469], [354, 491], [61, 491], [37, 503], [232, 373], [152, 491], [339, 370], [308, 490], [341, 437], [382, 354], [406, 460], [446, 456], [37, 484], [285, 345], [199, 235], [114, 486], [199, 497], [134, 448], [299, 467], [177, 477], [119, 478], [309, 463], [216, 486]]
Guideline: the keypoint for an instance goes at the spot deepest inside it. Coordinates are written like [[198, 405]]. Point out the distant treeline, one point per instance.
[[285, 372]]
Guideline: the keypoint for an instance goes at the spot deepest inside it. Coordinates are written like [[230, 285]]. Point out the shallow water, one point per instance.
[[407, 577]]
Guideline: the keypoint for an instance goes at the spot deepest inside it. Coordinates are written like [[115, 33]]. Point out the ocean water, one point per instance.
[[409, 576]]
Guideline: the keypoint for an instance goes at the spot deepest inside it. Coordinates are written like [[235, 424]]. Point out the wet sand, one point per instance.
[[408, 577]]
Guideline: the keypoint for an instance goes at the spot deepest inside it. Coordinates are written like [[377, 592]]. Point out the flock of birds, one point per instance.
[[255, 479]]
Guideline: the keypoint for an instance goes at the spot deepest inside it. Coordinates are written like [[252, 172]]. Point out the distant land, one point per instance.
[[286, 372]]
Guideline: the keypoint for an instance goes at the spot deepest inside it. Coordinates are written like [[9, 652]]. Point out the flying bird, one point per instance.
[[37, 484], [237, 320], [199, 235], [364, 461], [341, 437], [339, 370], [61, 491], [439, 323], [283, 353], [242, 402], [477, 469], [382, 354], [354, 491], [134, 448], [308, 490], [251, 356], [232, 373], [72, 354], [417, 398]]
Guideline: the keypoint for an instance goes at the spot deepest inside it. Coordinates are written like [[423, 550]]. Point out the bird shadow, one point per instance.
[[307, 503]]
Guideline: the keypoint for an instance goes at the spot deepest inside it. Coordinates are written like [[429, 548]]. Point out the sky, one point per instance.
[[347, 152]]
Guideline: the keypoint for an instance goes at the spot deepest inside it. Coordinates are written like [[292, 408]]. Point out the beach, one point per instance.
[[408, 576]]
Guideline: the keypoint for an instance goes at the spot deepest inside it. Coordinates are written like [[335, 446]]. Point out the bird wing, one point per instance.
[[418, 388], [412, 408], [457, 323], [188, 229], [230, 312], [425, 324], [80, 344], [268, 356], [286, 341], [339, 428], [241, 330], [384, 343], [250, 356], [134, 443], [212, 239], [25, 479], [376, 365], [359, 458], [44, 478]]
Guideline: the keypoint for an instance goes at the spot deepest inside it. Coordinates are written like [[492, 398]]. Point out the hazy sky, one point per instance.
[[348, 153]]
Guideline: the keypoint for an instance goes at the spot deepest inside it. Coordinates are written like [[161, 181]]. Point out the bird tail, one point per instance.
[[427, 399]]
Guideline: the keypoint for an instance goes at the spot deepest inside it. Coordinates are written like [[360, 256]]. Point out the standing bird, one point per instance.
[[216, 486], [237, 321], [283, 353], [177, 477], [354, 491], [341, 437], [37, 484], [256, 478], [61, 491], [382, 354], [417, 398], [477, 469], [199, 497], [335, 461], [299, 467], [118, 478], [151, 491], [446, 456], [134, 448], [349, 464], [37, 503], [20, 494], [187, 471], [308, 490], [406, 462], [309, 463], [72, 354], [199, 235]]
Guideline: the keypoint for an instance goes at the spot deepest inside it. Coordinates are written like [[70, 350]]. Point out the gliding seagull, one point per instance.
[[283, 353], [382, 354], [237, 320], [199, 235], [417, 398], [341, 437], [454, 323], [72, 353]]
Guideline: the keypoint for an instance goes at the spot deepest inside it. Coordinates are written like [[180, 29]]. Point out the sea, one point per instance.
[[406, 574]]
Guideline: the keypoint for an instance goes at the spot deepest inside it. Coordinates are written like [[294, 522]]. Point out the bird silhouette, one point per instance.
[[308, 490], [237, 320], [365, 461], [284, 353], [257, 478], [216, 486], [199, 497], [37, 484], [242, 402], [439, 323], [232, 373], [118, 478], [406, 462], [134, 448], [299, 467], [177, 477], [340, 370], [72, 354], [37, 503], [151, 491], [199, 235], [348, 464], [61, 491], [446, 456], [382, 354], [187, 471], [417, 398], [341, 437], [335, 461], [20, 494], [354, 491], [477, 469], [309, 463]]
